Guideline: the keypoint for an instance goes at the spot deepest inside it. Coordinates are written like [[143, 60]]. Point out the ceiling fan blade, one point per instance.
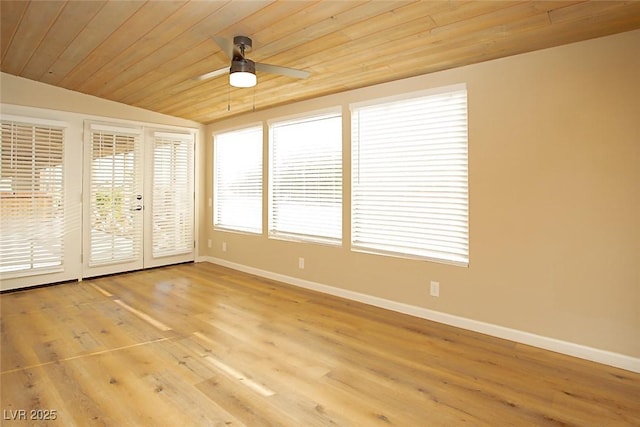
[[213, 74], [226, 45], [285, 71]]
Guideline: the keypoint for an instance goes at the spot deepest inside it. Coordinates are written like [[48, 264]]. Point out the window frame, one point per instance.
[[367, 247], [216, 194], [308, 116]]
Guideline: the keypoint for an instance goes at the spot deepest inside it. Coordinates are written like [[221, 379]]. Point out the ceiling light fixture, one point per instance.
[[242, 73]]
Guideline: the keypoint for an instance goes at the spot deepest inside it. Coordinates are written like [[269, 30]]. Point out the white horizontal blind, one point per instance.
[[115, 187], [31, 197], [306, 179], [237, 194], [173, 204], [410, 177]]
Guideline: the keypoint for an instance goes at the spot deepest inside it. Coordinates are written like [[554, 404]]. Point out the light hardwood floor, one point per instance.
[[202, 345]]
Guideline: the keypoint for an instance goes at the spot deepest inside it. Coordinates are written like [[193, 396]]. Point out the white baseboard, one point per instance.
[[572, 349]]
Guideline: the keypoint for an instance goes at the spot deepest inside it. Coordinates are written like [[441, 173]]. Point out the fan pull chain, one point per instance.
[[229, 98], [254, 99]]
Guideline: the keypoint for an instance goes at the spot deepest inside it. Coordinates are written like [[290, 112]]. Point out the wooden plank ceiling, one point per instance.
[[146, 54]]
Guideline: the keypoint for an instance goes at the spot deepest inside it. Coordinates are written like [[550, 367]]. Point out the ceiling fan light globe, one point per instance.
[[242, 79], [242, 73]]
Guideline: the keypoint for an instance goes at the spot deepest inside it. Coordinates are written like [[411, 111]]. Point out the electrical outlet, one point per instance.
[[301, 263], [209, 243], [224, 246], [435, 289]]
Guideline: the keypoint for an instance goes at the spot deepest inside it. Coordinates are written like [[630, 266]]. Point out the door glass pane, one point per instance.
[[116, 222], [172, 196]]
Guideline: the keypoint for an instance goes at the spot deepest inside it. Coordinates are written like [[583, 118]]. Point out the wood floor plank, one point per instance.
[[242, 350], [243, 403]]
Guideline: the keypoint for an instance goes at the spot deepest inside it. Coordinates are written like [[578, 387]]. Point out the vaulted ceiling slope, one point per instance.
[[146, 54]]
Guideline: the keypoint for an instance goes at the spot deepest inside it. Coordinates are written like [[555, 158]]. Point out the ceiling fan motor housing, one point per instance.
[[244, 43]]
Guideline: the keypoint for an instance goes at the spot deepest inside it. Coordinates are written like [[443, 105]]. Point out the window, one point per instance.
[[32, 197], [237, 190], [306, 179], [410, 177]]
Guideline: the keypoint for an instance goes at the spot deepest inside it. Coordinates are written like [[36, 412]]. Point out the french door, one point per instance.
[[137, 198]]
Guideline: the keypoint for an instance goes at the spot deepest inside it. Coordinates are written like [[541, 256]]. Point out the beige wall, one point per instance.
[[554, 175], [24, 92]]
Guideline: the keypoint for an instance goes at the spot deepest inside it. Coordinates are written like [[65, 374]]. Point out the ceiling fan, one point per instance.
[[242, 72]]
